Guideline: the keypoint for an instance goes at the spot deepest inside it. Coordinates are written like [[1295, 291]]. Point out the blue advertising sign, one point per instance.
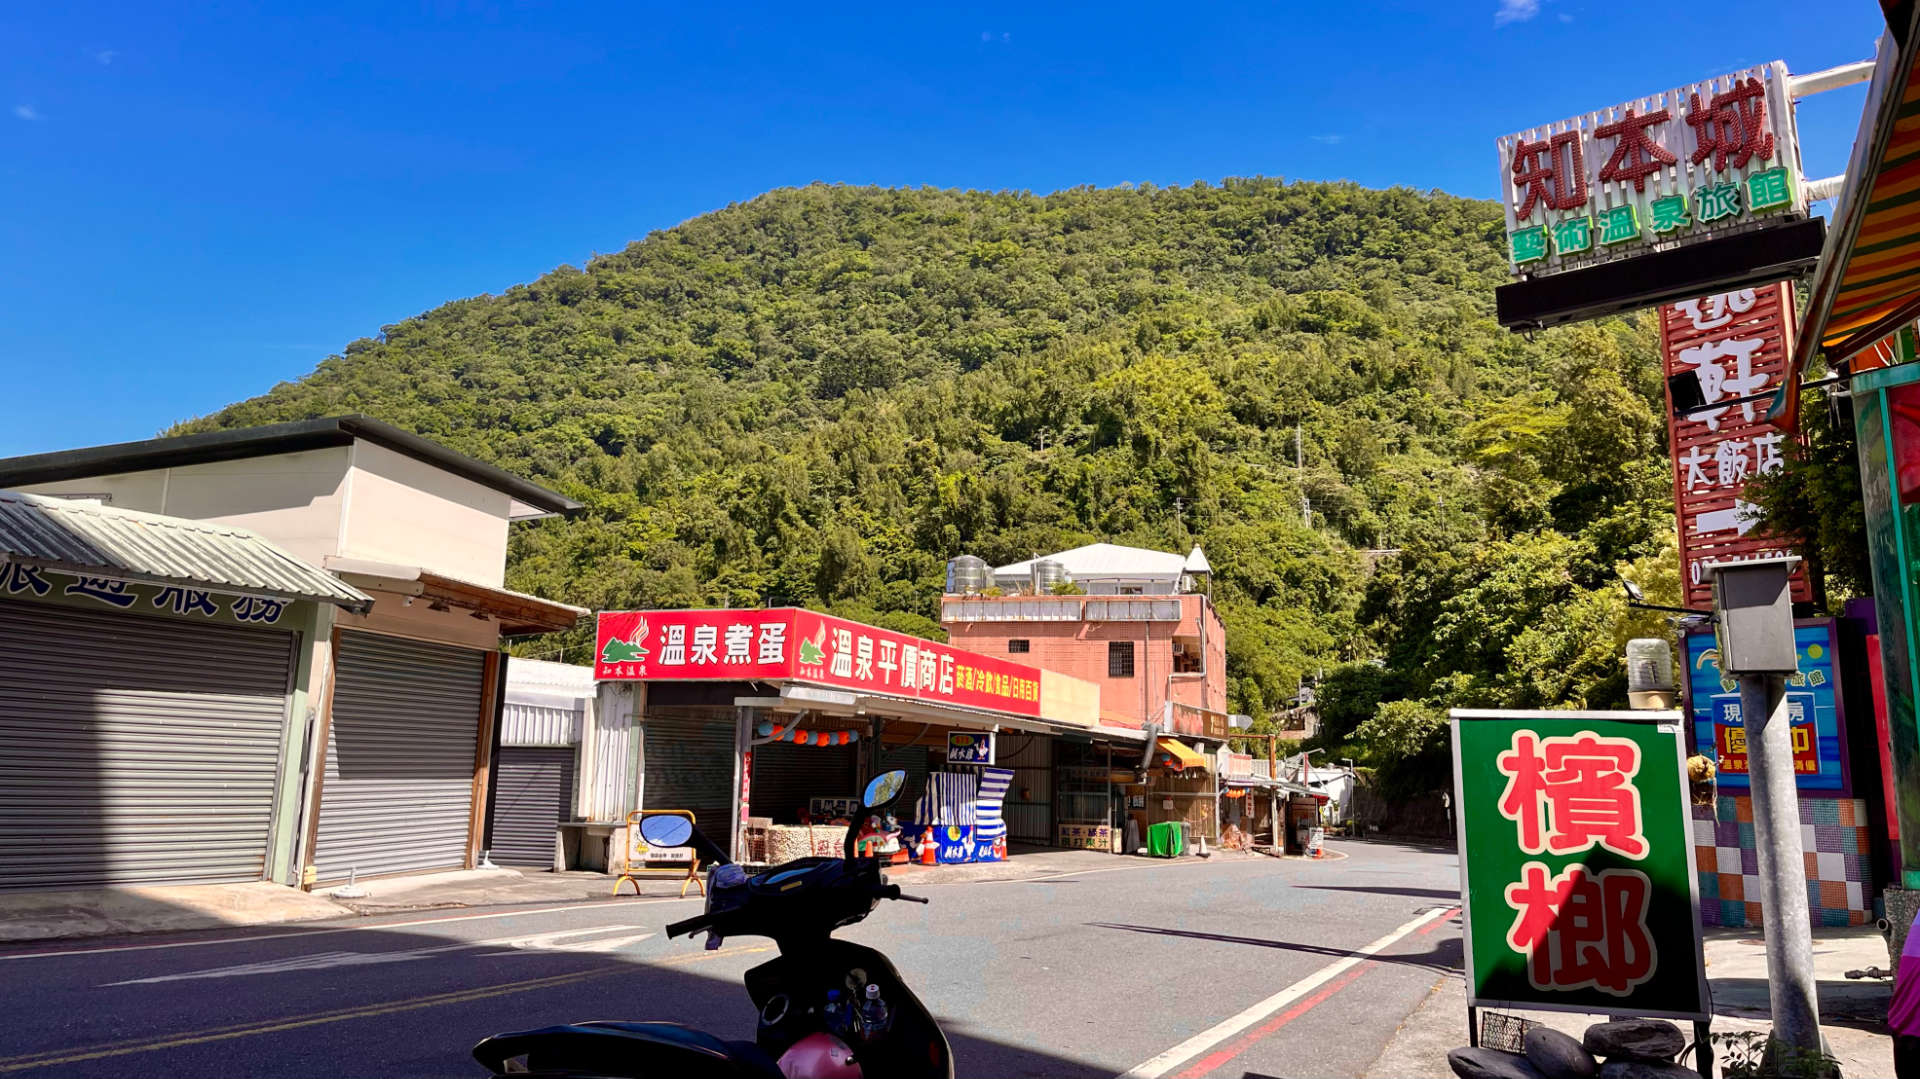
[[1813, 711], [954, 843], [969, 747]]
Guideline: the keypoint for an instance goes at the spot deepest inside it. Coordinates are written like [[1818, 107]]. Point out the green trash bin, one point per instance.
[[1166, 840]]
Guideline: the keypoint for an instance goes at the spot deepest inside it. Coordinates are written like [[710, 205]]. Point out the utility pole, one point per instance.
[[1300, 477], [1753, 609]]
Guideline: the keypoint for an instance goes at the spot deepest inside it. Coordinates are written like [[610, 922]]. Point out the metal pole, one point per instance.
[[1833, 78], [1783, 871], [744, 720]]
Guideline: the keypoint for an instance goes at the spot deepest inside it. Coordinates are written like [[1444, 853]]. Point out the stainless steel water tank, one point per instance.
[[968, 575]]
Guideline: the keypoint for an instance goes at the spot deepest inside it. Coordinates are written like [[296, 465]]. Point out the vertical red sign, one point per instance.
[[1735, 345]]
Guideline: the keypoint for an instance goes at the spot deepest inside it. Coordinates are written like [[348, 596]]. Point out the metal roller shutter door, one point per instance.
[[689, 765], [136, 750], [398, 789], [533, 792], [913, 760], [1028, 818], [786, 777]]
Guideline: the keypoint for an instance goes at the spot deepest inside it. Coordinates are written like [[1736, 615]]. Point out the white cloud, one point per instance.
[[103, 57], [1564, 17], [1328, 140], [26, 112], [1515, 11]]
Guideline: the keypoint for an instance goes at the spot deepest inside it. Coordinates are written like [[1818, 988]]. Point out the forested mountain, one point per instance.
[[824, 393]]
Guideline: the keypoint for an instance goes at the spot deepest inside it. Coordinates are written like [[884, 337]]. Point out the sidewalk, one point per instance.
[[115, 911], [1852, 1013]]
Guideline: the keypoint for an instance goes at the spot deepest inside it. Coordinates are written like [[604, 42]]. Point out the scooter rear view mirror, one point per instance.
[[884, 788], [666, 831]]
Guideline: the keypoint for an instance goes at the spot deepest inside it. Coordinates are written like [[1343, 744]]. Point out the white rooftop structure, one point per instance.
[[1109, 568], [537, 680]]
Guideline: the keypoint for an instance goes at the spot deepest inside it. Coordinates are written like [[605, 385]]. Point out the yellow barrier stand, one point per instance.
[[640, 853]]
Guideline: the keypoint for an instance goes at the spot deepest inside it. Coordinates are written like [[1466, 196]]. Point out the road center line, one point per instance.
[[30, 1061], [1227, 1028]]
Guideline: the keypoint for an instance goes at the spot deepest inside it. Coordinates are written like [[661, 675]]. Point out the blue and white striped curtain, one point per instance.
[[949, 799], [986, 808]]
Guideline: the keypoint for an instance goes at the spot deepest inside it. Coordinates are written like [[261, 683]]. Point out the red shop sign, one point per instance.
[[1735, 344], [802, 646]]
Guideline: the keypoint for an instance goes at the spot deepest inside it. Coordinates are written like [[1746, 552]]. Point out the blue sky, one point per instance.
[[205, 199]]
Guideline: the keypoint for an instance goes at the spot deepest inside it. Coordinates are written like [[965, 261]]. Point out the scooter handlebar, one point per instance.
[[688, 927], [892, 891]]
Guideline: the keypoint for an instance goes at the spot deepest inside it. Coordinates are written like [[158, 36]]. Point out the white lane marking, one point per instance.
[[1227, 1028], [550, 942], [516, 945], [1148, 868], [243, 939]]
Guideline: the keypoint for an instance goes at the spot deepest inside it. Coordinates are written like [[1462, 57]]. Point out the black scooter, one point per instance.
[[816, 1019]]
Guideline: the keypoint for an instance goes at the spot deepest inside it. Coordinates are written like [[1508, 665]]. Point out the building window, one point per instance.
[[1119, 659], [1017, 646], [1187, 656]]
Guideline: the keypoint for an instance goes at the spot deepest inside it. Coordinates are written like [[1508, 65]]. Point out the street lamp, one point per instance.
[[1637, 599]]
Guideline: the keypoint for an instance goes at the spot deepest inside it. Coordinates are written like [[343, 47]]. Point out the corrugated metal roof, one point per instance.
[[82, 537], [1101, 560]]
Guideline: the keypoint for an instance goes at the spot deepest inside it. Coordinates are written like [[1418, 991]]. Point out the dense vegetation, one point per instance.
[[824, 393]]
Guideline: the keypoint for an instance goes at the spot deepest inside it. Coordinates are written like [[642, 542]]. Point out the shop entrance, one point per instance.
[[1029, 804]]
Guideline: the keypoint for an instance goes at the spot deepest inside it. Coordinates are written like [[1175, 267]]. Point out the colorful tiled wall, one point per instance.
[[1833, 833]]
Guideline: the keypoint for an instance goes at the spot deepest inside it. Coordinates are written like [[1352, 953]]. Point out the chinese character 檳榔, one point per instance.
[[1582, 929], [1569, 794]]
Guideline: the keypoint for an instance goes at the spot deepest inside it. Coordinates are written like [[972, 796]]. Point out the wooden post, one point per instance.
[[485, 730], [323, 732]]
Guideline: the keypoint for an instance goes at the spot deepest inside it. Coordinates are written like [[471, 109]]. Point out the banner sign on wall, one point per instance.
[[1578, 884], [1734, 345], [969, 747], [1813, 711], [797, 645], [1664, 171]]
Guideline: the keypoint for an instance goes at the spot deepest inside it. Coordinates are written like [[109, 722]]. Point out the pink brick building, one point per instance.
[[1146, 631]]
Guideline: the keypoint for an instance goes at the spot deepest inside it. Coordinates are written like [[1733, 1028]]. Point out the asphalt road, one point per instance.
[[1243, 968]]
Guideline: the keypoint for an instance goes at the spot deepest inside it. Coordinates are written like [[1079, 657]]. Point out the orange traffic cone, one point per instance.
[[929, 850]]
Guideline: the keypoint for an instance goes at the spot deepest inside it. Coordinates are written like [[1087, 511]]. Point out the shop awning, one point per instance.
[[72, 536], [1183, 755], [519, 613], [1868, 283]]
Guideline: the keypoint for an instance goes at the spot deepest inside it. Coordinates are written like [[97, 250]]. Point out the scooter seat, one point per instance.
[[620, 1050]]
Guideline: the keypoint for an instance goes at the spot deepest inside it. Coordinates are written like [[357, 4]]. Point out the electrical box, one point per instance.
[[1753, 615]]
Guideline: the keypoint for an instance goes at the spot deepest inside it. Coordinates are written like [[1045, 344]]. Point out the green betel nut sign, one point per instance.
[[1576, 863]]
